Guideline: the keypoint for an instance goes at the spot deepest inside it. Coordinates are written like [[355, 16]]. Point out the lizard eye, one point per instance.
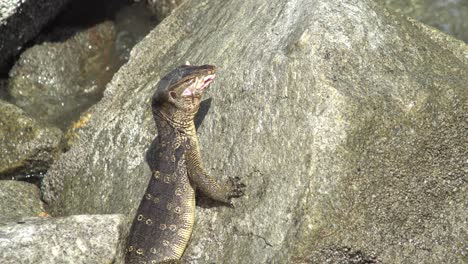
[[173, 95]]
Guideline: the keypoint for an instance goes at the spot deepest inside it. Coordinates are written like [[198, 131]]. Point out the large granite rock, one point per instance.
[[78, 239], [26, 146], [21, 20], [19, 199], [345, 121], [55, 81]]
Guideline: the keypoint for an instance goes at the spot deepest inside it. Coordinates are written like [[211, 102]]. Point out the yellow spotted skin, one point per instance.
[[164, 219]]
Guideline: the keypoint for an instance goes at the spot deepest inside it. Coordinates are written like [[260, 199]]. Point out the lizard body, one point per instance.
[[165, 217]]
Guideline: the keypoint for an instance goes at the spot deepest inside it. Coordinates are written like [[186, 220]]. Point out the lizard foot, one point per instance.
[[237, 188]]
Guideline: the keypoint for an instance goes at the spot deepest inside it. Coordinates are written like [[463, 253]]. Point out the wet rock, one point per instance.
[[19, 199], [132, 24], [447, 16], [26, 146], [86, 239], [21, 20], [55, 82], [344, 120], [162, 8]]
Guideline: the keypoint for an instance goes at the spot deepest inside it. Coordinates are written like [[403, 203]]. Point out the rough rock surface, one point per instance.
[[345, 121], [55, 81], [19, 199], [21, 20], [26, 146], [78, 239]]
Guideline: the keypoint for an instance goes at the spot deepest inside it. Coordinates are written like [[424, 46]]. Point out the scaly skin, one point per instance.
[[164, 220]]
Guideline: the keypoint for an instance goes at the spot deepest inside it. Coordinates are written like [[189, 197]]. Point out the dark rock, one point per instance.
[[55, 82], [20, 21], [26, 146], [87, 13], [4, 89], [162, 8], [132, 23], [345, 121], [19, 199], [78, 239]]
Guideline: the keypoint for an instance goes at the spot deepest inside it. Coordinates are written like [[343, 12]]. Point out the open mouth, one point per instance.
[[199, 86], [207, 80]]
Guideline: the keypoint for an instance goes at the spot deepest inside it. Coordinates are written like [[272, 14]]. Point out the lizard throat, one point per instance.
[[182, 126]]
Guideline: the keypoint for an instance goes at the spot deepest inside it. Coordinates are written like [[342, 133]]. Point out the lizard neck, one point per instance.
[[177, 121]]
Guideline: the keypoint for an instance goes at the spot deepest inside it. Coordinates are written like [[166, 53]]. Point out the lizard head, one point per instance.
[[182, 88]]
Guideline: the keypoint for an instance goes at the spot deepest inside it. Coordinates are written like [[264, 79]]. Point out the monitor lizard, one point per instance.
[[165, 217]]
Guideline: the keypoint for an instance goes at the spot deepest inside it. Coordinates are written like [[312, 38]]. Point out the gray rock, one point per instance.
[[21, 20], [55, 82], [19, 199], [162, 8], [87, 239], [26, 146], [344, 120], [447, 16]]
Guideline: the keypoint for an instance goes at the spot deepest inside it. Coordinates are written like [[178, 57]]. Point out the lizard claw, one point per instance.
[[237, 188]]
